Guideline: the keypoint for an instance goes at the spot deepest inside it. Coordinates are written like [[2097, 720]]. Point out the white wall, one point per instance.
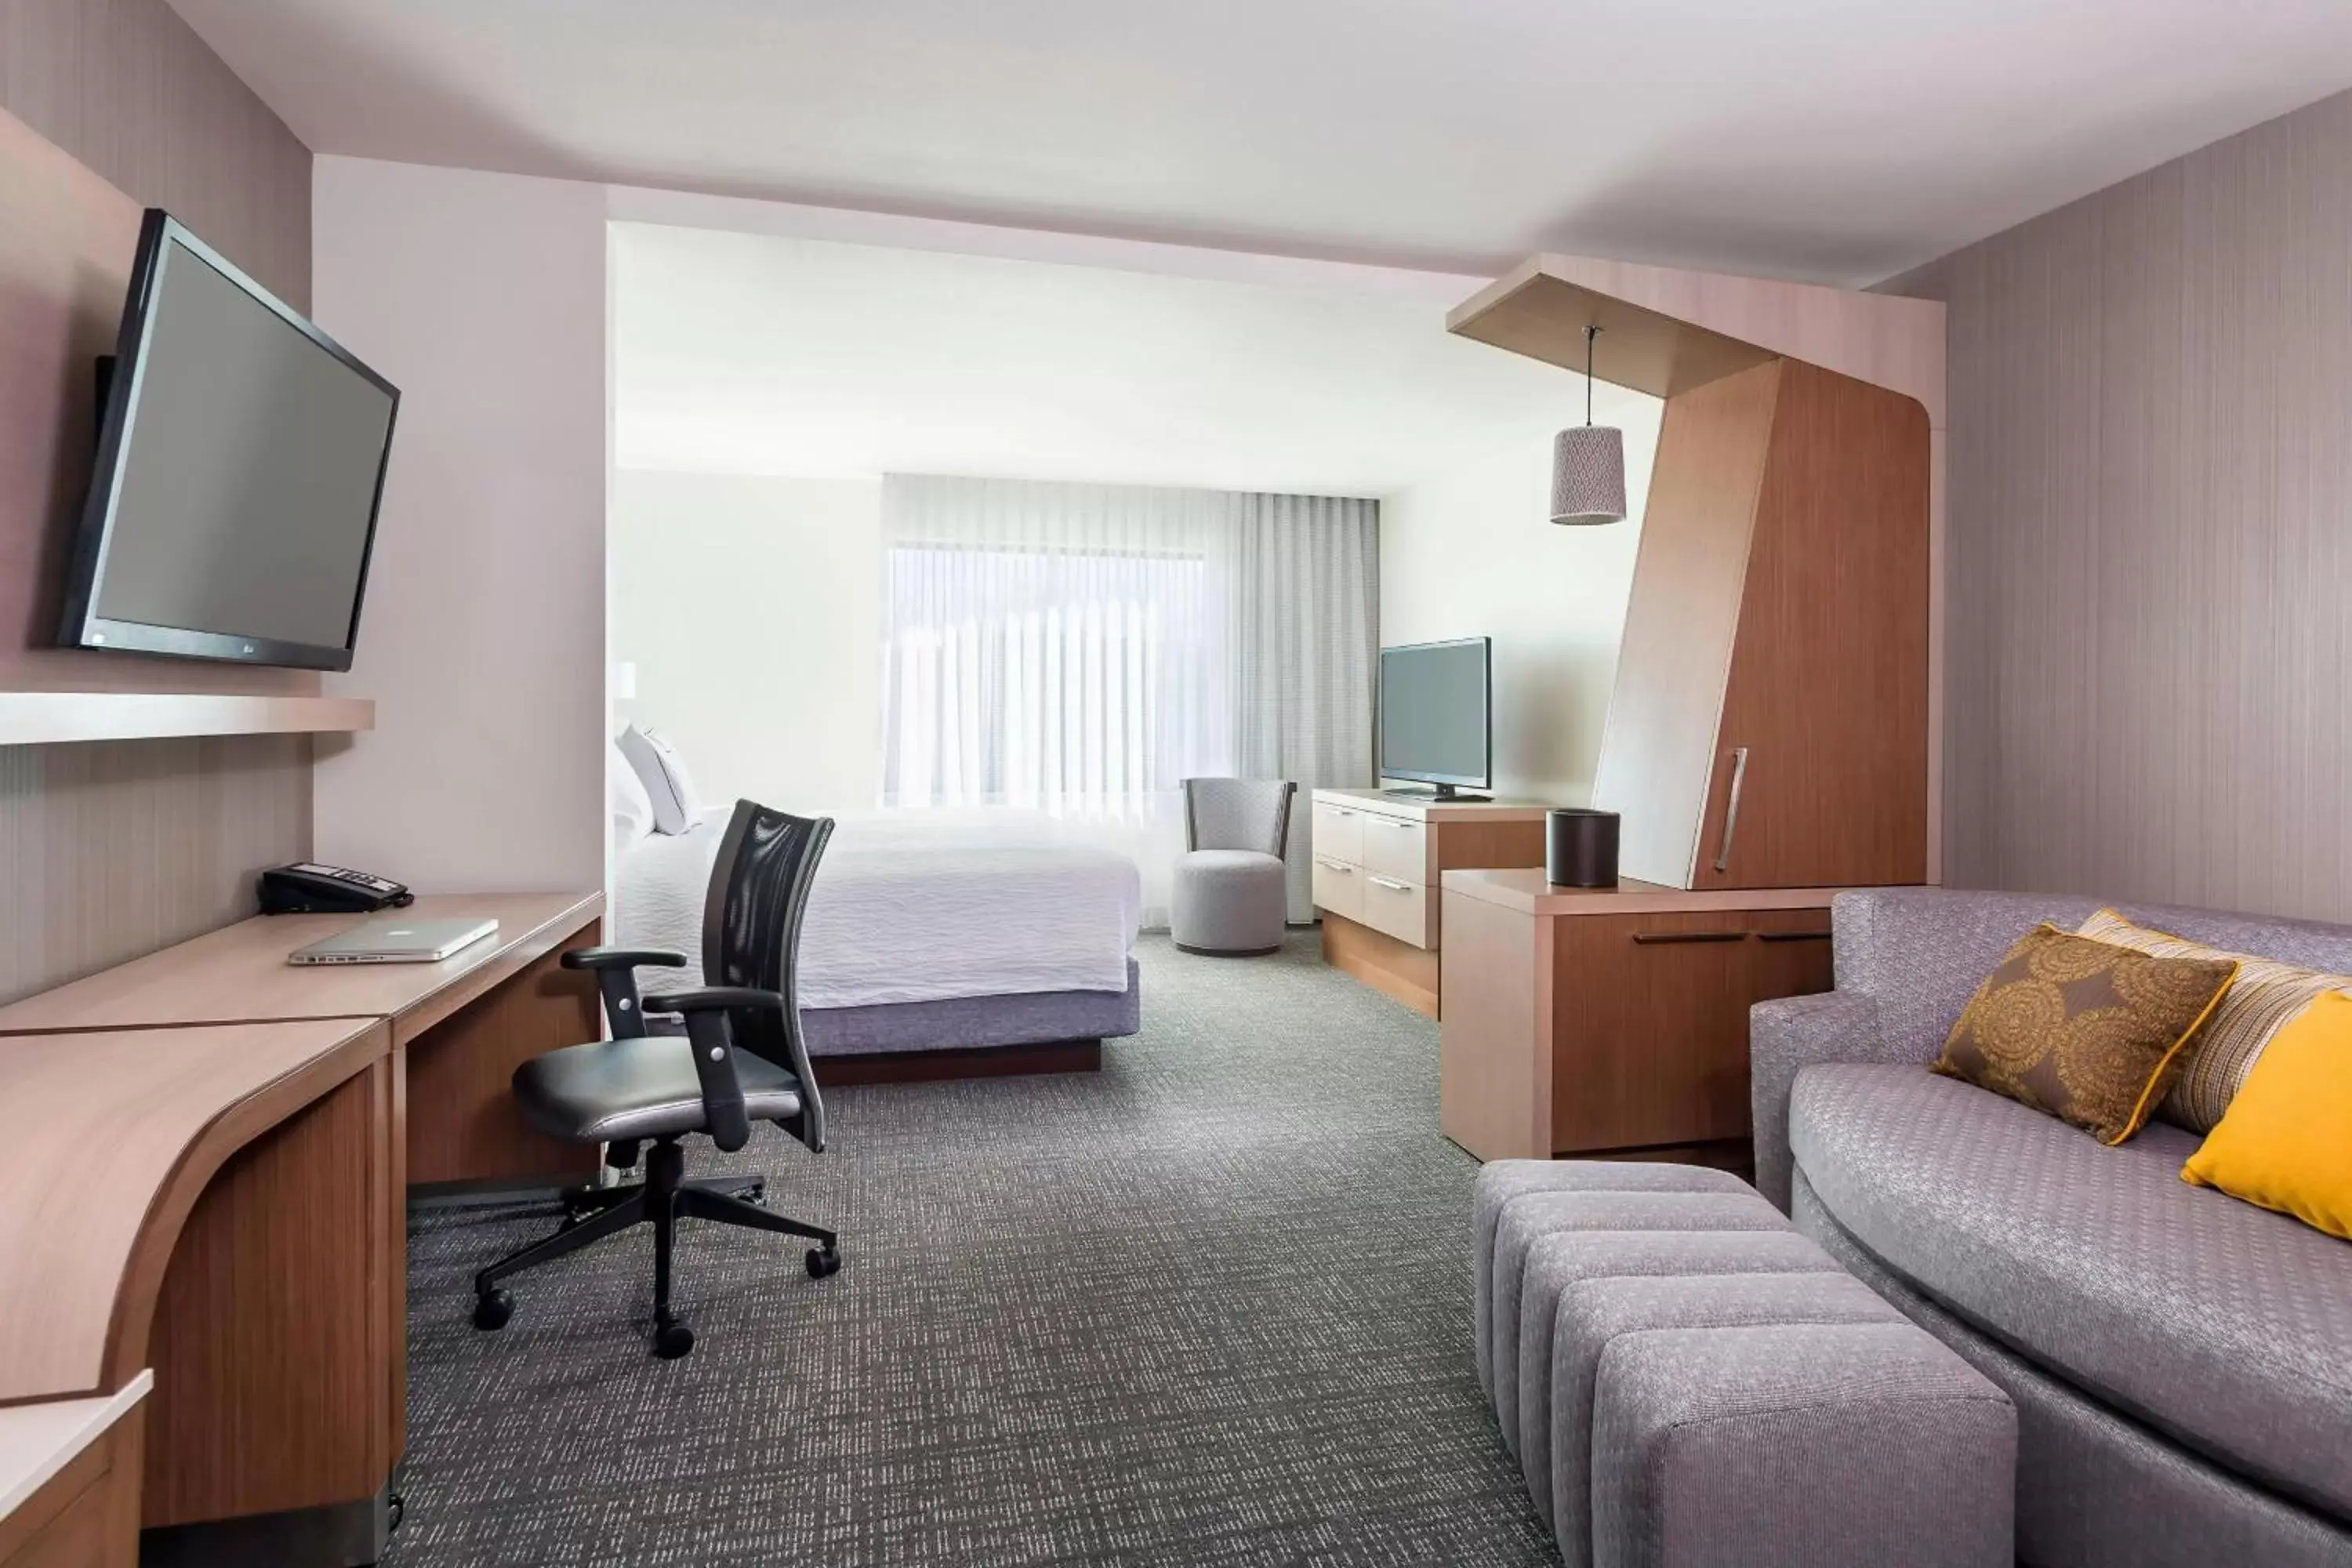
[[1470, 552], [751, 606], [483, 297]]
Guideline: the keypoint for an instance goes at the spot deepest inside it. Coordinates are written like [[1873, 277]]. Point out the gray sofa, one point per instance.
[[2181, 1362]]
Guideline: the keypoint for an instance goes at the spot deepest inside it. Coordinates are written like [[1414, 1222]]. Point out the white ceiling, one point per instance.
[[754, 354], [1835, 140]]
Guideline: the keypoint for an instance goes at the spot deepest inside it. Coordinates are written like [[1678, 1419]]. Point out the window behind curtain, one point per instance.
[[1077, 681], [1080, 650]]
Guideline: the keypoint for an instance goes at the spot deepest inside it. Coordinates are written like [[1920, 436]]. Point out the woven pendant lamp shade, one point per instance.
[[1588, 475], [1588, 463]]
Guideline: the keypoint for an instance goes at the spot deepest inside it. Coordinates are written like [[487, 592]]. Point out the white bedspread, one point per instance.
[[915, 906]]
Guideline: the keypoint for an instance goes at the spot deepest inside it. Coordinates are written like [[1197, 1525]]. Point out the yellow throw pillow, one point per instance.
[[2264, 996], [2086, 1031], [2286, 1142]]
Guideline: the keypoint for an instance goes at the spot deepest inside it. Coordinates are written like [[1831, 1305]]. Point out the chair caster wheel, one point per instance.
[[824, 1260], [492, 1309], [672, 1340]]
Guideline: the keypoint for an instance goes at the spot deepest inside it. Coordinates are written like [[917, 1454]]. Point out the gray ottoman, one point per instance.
[[1819, 1445], [1687, 1381], [1592, 1283], [1540, 1214], [1503, 1181]]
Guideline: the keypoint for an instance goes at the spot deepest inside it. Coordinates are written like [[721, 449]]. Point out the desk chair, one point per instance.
[[740, 1059]]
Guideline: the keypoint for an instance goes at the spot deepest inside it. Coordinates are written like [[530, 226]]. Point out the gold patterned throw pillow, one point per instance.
[[2266, 997], [2086, 1031]]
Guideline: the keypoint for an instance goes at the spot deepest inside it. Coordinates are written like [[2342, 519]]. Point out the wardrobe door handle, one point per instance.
[[1390, 883], [1731, 807], [1671, 938]]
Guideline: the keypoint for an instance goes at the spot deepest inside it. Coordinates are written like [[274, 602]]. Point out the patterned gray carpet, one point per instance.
[[1207, 1306]]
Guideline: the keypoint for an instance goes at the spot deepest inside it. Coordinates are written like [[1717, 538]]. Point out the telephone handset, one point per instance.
[[307, 888]]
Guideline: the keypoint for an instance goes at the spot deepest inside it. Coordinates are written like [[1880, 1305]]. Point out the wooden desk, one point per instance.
[[464, 1024], [222, 1203], [1612, 1021], [69, 1480], [212, 1153]]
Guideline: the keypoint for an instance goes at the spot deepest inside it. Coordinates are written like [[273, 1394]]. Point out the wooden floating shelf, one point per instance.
[[49, 718], [1666, 331]]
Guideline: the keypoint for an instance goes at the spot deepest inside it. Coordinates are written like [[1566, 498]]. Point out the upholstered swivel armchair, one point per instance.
[[739, 1060], [1232, 892]]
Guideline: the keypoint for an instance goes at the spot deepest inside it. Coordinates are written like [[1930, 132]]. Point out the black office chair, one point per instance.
[[740, 1059]]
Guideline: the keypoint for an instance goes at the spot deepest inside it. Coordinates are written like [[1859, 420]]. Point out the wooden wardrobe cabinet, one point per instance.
[[1769, 725], [1767, 740]]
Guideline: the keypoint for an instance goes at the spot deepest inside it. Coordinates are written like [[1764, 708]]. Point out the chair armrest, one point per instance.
[[706, 1010], [615, 969], [712, 1045], [712, 999], [623, 958], [1798, 1032]]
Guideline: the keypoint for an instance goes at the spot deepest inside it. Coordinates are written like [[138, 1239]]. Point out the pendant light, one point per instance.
[[1588, 463]]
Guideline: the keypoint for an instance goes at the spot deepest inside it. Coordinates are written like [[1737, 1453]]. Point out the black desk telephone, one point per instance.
[[306, 888]]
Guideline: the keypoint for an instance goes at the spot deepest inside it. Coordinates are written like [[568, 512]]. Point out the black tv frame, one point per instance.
[[1447, 786], [82, 626]]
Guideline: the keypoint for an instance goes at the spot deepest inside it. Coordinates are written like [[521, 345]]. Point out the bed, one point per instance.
[[937, 944]]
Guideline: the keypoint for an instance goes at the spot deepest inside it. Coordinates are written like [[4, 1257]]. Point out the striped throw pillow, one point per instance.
[[2266, 995]]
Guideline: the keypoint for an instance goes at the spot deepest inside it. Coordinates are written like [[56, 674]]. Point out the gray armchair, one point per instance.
[[1232, 891]]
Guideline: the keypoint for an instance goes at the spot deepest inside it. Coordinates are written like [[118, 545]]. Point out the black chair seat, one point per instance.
[[642, 1088]]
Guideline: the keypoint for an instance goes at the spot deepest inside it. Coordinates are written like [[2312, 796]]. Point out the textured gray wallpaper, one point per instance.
[[2149, 678]]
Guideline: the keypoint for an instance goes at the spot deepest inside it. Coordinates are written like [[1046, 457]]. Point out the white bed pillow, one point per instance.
[[676, 805], [632, 808]]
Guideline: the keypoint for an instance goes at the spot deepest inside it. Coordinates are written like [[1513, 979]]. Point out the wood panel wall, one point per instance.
[[112, 850], [2149, 657], [127, 86]]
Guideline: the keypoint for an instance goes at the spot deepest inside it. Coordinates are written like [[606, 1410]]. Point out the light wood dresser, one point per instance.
[[1378, 860]]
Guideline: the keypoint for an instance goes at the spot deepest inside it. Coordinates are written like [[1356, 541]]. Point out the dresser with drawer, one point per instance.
[[1378, 860]]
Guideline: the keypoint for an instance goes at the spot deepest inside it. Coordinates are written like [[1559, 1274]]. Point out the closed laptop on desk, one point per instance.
[[395, 941]]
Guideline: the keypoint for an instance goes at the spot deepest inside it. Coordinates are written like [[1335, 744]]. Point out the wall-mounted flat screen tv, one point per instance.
[[1436, 714], [241, 456]]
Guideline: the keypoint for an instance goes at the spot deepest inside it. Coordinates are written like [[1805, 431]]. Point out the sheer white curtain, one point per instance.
[[1079, 650]]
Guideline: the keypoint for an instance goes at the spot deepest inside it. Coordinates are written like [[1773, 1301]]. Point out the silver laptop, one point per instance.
[[392, 940]]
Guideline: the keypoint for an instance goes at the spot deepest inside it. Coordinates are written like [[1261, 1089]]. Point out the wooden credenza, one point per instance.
[[1613, 1022], [1379, 859]]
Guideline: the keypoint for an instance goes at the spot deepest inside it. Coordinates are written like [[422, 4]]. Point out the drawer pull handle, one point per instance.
[[1393, 822], [1340, 865], [1390, 882], [1731, 807], [1339, 810], [1671, 938], [1792, 936]]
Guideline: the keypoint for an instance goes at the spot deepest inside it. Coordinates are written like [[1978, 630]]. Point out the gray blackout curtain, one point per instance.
[[1306, 651]]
